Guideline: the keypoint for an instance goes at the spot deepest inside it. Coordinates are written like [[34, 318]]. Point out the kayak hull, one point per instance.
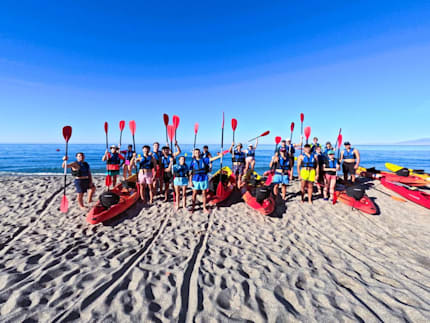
[[418, 197], [211, 197], [265, 208], [100, 214], [365, 204], [408, 180], [395, 168]]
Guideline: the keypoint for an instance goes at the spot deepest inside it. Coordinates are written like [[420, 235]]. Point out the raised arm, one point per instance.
[[178, 149], [256, 143]]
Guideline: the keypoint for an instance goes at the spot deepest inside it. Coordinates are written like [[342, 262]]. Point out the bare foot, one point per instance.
[[206, 210], [82, 207]]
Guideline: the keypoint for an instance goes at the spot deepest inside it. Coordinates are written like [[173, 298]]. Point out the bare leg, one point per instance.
[[114, 180], [142, 192], [332, 187], [302, 189], [193, 200], [284, 191], [177, 195], [253, 164], [310, 191], [326, 187], [204, 202], [353, 178], [276, 190], [81, 200], [184, 197], [91, 193]]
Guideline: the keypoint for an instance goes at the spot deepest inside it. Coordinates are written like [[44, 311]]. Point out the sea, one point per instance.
[[46, 159]]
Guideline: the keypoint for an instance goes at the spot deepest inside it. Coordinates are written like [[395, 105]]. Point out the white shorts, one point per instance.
[[250, 159]]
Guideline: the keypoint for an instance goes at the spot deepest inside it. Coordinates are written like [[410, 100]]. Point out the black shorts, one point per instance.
[[82, 185], [167, 177], [348, 168]]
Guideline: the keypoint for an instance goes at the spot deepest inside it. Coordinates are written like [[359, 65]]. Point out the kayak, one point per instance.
[[365, 204], [254, 181], [408, 180], [229, 181], [127, 198], [266, 207], [414, 172], [416, 196]]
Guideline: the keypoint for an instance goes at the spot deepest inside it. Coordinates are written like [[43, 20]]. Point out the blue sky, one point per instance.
[[362, 66]]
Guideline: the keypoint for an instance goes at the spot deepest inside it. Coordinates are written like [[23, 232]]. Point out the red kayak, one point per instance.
[[365, 204], [211, 196], [416, 196], [127, 197], [266, 207], [410, 180]]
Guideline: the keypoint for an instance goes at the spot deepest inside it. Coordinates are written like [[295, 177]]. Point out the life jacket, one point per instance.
[[165, 161], [204, 155], [128, 154], [308, 161], [84, 170], [238, 157], [313, 147], [291, 150], [113, 161], [250, 153], [180, 170], [146, 163], [332, 163], [157, 155], [199, 167], [284, 164], [349, 154]]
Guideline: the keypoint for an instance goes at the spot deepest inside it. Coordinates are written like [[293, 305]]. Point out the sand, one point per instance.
[[307, 263]]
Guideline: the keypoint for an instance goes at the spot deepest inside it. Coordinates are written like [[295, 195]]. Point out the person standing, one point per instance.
[[145, 179], [331, 166], [83, 179], [128, 161], [180, 182], [321, 158], [281, 177], [158, 172], [308, 170], [238, 161], [351, 161], [113, 160], [250, 157]]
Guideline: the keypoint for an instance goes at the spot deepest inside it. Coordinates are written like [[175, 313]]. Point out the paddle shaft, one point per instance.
[[301, 139], [195, 138], [65, 168]]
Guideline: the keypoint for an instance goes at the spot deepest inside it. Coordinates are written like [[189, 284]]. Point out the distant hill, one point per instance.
[[422, 141]]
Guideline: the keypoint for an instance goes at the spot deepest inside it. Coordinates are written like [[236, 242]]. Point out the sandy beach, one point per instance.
[[306, 263]]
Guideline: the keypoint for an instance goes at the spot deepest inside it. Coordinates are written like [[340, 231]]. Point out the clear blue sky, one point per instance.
[[360, 65]]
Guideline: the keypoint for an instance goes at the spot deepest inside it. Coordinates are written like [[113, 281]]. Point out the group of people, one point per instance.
[[160, 170]]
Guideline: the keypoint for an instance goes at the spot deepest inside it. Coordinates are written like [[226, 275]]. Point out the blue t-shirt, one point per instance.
[[194, 165]]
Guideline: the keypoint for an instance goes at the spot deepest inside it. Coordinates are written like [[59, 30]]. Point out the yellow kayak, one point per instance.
[[395, 168]]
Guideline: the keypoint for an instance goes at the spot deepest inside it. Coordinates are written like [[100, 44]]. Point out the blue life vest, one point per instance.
[[250, 153], [238, 157], [284, 164], [165, 161], [129, 155], [199, 167], [204, 155], [146, 163], [349, 154], [332, 163], [84, 170], [114, 159], [308, 161], [180, 170], [157, 155]]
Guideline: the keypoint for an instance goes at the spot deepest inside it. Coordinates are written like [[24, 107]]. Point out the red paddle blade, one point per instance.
[[196, 128], [220, 190], [171, 131], [176, 122], [121, 125], [64, 204], [307, 132], [339, 140], [106, 127], [233, 124], [302, 117], [132, 125], [67, 133], [225, 152], [166, 119], [108, 180], [278, 139], [265, 133], [292, 126]]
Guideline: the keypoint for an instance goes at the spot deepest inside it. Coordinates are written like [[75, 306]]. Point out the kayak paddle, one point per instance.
[[121, 128], [307, 133], [277, 141], [196, 129], [132, 126], [171, 134], [67, 133], [220, 187], [396, 198], [291, 137], [302, 118], [272, 171], [262, 135], [339, 143], [233, 126], [176, 124], [107, 147], [166, 122]]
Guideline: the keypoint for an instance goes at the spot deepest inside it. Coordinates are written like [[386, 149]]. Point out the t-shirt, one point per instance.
[[199, 177]]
